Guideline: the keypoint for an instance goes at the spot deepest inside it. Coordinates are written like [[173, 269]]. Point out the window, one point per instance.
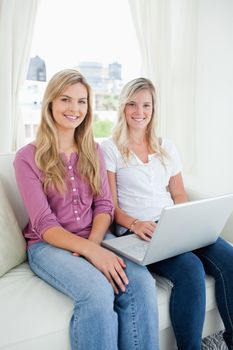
[[96, 37]]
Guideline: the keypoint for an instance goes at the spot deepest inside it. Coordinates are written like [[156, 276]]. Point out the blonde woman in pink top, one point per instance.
[[63, 184]]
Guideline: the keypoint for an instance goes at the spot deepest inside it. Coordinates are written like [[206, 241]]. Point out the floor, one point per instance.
[[214, 342]]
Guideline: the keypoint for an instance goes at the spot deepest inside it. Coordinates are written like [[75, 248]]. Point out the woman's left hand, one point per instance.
[[90, 238], [144, 229]]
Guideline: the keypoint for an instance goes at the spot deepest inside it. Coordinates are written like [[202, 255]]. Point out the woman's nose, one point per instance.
[[139, 109], [74, 106]]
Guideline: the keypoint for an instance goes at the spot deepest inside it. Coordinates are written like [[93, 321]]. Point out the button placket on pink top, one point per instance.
[[74, 192]]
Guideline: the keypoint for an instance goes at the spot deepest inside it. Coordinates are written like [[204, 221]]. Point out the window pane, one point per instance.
[[101, 43]]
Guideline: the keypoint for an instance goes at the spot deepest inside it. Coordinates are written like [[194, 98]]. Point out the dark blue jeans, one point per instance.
[[187, 303]]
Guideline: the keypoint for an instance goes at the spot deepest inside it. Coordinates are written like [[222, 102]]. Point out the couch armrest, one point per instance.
[[194, 195], [227, 232]]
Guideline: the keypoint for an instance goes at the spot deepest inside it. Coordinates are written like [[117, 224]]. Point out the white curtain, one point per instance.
[[17, 18], [166, 30]]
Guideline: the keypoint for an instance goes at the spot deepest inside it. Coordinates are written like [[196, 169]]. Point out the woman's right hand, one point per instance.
[[111, 265], [144, 229]]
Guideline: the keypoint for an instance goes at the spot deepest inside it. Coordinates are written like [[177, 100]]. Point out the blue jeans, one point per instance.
[[187, 303], [101, 320]]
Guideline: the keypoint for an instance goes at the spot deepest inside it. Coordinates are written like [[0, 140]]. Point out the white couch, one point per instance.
[[35, 316]]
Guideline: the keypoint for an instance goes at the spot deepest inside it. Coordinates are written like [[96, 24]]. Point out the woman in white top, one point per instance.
[[144, 173]]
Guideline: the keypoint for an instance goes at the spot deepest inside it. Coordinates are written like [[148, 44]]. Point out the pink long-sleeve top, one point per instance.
[[74, 210]]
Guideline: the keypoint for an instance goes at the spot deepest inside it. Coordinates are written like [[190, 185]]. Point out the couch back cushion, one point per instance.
[[8, 180], [12, 243]]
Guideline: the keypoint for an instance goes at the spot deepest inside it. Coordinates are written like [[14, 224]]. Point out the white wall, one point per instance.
[[212, 170]]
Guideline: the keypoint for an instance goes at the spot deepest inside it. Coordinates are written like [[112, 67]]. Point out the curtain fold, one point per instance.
[[166, 32], [17, 19]]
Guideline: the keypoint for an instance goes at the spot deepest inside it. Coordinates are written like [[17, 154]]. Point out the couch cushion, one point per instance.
[[34, 315], [12, 243]]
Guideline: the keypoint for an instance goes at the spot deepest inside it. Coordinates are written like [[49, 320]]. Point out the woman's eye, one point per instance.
[[64, 99], [83, 102]]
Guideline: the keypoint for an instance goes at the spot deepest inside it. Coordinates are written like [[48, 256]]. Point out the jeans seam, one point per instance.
[[76, 326], [224, 286], [133, 313], [172, 314]]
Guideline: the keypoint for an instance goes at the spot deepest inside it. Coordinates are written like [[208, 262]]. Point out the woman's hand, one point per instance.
[[111, 265], [144, 229], [93, 239]]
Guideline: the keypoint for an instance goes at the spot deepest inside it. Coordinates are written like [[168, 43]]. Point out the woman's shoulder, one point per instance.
[[109, 145], [26, 156], [108, 142], [27, 151], [167, 144]]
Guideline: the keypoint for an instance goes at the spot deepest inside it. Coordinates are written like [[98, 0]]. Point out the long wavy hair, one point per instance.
[[47, 146], [121, 130]]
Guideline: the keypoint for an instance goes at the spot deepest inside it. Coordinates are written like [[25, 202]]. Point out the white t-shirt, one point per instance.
[[142, 187]]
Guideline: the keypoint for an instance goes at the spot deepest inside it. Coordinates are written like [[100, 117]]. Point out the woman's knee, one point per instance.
[[140, 280], [98, 299], [217, 259], [190, 271], [182, 270]]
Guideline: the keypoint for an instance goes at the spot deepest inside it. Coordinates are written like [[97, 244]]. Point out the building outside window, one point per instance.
[[106, 64]]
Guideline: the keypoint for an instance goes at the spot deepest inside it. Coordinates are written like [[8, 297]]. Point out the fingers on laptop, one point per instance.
[[145, 229]]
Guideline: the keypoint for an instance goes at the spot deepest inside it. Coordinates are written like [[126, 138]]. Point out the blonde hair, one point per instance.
[[121, 130], [47, 147]]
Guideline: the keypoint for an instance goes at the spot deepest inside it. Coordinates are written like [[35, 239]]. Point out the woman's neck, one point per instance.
[[137, 138], [67, 144]]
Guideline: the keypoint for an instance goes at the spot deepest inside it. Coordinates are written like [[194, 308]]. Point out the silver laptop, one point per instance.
[[181, 228]]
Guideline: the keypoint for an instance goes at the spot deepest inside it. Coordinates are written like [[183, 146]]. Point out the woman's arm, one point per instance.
[[177, 190], [99, 228], [103, 208], [28, 178], [144, 229], [104, 260]]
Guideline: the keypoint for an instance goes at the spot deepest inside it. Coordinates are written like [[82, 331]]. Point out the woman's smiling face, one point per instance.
[[70, 108], [139, 109]]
